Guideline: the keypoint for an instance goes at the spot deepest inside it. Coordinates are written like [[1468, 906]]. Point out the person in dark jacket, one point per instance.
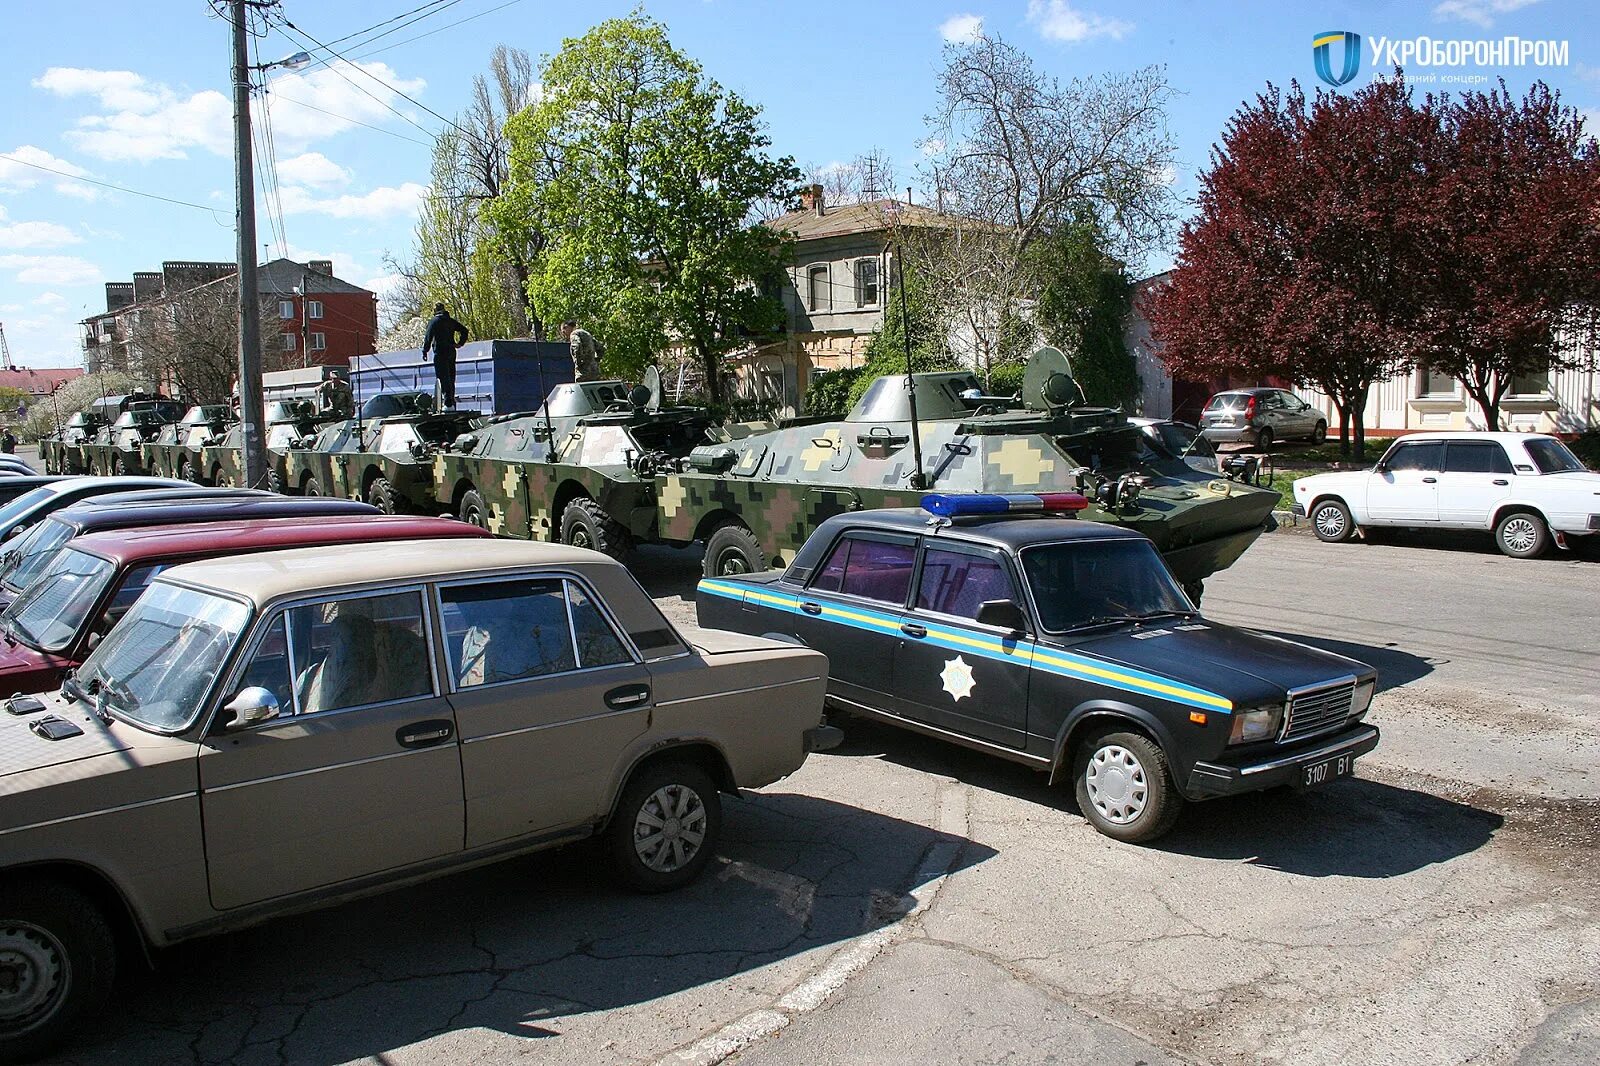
[[444, 336]]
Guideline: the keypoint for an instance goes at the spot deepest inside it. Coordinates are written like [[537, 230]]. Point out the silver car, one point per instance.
[[1260, 417]]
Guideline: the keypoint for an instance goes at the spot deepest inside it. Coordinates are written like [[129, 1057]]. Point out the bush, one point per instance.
[[828, 394], [1006, 379], [1587, 448]]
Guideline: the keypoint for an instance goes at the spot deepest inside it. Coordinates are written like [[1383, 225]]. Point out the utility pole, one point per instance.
[[305, 312], [254, 454]]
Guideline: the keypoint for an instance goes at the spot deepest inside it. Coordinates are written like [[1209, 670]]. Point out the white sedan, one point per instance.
[[1528, 488]]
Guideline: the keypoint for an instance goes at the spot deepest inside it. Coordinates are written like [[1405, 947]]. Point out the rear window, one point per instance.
[[1476, 457], [1552, 456], [1227, 399], [872, 569]]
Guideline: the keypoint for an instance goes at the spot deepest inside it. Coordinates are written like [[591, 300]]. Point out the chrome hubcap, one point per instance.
[[1330, 521], [1520, 534], [670, 828], [33, 976], [1117, 785]]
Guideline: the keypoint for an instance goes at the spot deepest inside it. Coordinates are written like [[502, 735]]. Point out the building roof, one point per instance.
[[38, 382], [837, 221], [285, 275], [130, 546]]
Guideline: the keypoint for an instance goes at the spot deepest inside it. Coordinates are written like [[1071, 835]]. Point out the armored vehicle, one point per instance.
[[580, 470], [62, 451], [754, 501], [385, 455], [175, 452], [118, 448], [289, 422]]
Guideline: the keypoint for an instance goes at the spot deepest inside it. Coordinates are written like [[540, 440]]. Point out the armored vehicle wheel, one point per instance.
[[1522, 535], [474, 511], [275, 483], [221, 480], [57, 959], [187, 472], [382, 496], [585, 525], [733, 550], [1124, 788], [665, 827], [309, 486]]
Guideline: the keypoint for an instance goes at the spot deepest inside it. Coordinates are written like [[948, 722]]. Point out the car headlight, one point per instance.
[[1258, 724], [1363, 697]]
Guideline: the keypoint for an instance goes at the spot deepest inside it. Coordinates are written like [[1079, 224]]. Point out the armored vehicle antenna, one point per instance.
[[917, 480], [549, 431]]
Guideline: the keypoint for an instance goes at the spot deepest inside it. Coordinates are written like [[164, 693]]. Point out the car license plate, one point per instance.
[[1320, 773], [1226, 420]]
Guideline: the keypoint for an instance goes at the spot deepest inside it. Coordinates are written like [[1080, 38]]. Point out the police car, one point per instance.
[[992, 622]]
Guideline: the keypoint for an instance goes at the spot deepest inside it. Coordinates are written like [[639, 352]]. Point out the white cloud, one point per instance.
[[36, 235], [51, 269], [1057, 20], [1478, 12], [50, 301], [961, 29], [312, 168], [17, 176], [381, 202], [140, 120]]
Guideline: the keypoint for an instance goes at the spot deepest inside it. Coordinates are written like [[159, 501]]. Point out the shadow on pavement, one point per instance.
[[1395, 667], [514, 946]]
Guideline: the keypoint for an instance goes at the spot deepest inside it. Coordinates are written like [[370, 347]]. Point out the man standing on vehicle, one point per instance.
[[335, 396], [586, 351], [444, 336]]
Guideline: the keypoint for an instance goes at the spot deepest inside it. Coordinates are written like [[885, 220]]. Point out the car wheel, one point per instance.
[[584, 524], [665, 828], [382, 496], [1123, 787], [1522, 535], [733, 550], [1331, 521], [57, 960], [1264, 438], [1319, 435], [474, 511]]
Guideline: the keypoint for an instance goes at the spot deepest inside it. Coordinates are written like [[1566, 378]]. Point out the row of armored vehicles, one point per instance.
[[609, 467]]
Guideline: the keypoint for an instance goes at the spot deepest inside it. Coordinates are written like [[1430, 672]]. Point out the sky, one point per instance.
[[137, 95]]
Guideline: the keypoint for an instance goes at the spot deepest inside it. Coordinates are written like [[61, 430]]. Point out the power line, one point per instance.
[[109, 185], [346, 118], [430, 33], [271, 193], [365, 92], [403, 25], [385, 22], [368, 74]]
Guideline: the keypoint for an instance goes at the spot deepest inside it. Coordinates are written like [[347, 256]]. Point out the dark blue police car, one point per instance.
[[992, 622]]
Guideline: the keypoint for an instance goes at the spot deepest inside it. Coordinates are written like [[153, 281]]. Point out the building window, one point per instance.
[[817, 289], [289, 342], [314, 308], [319, 341], [286, 309], [866, 282], [1533, 383], [1436, 382]]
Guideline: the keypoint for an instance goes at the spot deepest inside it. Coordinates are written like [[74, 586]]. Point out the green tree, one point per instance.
[[1084, 299], [643, 174], [921, 322]]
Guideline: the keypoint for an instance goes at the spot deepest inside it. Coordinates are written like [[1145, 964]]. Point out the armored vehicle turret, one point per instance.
[[580, 470], [754, 501], [288, 423], [175, 451], [385, 455]]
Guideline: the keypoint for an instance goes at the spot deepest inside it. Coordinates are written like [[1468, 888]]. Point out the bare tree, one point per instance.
[[189, 342], [865, 179]]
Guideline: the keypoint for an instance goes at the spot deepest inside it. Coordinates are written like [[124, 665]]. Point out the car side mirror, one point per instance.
[[93, 642], [251, 706], [1002, 614]]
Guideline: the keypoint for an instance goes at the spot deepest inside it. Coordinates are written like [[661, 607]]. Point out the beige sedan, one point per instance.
[[273, 731]]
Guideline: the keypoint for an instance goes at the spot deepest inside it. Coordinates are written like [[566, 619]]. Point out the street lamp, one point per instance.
[[294, 62]]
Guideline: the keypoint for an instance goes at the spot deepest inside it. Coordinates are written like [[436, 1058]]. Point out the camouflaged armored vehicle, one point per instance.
[[580, 470], [175, 451], [62, 452], [754, 501], [288, 423], [118, 448], [385, 455]]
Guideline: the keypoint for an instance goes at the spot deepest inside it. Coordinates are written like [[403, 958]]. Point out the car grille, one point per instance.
[[1317, 710]]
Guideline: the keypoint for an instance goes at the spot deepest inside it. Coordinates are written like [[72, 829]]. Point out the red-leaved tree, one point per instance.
[[1307, 255]]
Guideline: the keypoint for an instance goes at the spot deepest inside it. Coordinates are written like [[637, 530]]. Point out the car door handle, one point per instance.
[[1501, 481], [626, 696], [911, 629], [811, 608], [1430, 481], [425, 734]]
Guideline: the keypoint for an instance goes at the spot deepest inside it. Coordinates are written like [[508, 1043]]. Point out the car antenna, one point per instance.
[[917, 480]]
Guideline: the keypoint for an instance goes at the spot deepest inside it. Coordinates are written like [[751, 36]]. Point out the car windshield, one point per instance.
[[1182, 440], [1551, 456], [156, 665], [50, 613], [1080, 583], [33, 552], [19, 507]]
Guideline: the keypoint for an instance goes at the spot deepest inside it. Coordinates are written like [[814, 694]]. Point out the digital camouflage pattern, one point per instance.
[[62, 452], [288, 422], [177, 449]]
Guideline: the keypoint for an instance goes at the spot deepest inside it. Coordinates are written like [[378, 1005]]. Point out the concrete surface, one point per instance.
[[900, 900]]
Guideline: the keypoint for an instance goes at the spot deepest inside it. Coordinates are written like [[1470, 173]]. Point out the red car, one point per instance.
[[92, 581]]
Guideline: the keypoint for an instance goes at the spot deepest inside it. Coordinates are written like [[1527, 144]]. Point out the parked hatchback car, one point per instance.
[[1260, 417], [265, 733], [45, 499], [92, 581], [1526, 488]]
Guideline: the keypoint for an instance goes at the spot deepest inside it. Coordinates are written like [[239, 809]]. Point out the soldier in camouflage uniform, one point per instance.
[[586, 351]]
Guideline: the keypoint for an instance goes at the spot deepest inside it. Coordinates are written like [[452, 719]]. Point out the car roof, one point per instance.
[[131, 546], [1003, 531], [273, 575], [1253, 390], [113, 484], [1501, 437], [185, 510]]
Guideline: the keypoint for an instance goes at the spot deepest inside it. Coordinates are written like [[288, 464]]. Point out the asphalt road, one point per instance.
[[900, 900]]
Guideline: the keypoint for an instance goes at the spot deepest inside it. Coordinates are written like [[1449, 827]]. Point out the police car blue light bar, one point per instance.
[[956, 504]]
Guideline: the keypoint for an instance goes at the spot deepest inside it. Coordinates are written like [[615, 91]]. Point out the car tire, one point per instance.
[[275, 483], [584, 524], [118, 467], [1522, 535], [733, 550], [665, 828], [186, 472], [51, 932], [1124, 787], [1264, 438], [474, 510], [1319, 435], [1331, 521], [382, 496]]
